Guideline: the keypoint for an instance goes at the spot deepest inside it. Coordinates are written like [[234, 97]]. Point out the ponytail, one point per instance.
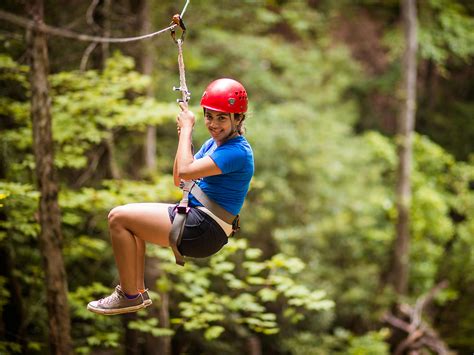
[[240, 126]]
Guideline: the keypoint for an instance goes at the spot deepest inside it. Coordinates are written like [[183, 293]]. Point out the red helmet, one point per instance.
[[225, 95]]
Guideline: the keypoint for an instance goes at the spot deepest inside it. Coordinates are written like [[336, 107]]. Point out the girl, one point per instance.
[[224, 166]]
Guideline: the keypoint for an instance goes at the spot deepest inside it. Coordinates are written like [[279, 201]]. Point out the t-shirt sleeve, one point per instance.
[[229, 158], [201, 151], [199, 154]]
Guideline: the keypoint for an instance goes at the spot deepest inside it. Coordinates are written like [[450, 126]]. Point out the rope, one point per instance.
[[55, 31], [185, 94]]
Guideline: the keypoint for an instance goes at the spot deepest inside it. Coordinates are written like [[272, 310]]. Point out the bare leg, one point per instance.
[[141, 249], [145, 221]]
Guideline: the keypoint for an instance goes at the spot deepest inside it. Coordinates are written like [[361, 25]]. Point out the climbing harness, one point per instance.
[[182, 210]]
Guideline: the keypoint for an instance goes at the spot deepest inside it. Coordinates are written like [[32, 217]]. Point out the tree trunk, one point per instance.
[[146, 67], [132, 337], [111, 156], [50, 238], [105, 46], [164, 343], [160, 345], [254, 346], [103, 19], [98, 17], [400, 265]]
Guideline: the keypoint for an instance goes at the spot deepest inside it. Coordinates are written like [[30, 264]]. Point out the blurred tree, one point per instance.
[[50, 237], [401, 260], [145, 64]]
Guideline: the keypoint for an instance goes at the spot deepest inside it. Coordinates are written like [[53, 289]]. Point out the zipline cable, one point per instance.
[[55, 31], [184, 9]]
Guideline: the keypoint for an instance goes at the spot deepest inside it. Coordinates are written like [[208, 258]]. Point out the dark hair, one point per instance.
[[240, 127]]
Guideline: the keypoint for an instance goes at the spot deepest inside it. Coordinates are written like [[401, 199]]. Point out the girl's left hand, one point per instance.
[[185, 118]]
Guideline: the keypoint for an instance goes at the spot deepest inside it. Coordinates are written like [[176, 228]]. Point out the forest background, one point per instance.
[[310, 270]]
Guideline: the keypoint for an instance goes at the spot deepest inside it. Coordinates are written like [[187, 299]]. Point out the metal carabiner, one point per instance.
[[186, 95], [177, 20]]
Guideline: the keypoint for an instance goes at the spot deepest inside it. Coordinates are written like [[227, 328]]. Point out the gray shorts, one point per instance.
[[202, 236]]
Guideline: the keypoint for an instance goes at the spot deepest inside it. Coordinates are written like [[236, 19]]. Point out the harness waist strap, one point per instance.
[[211, 205], [226, 227]]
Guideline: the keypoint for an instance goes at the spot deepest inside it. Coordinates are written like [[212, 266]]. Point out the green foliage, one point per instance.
[[19, 203], [11, 71], [97, 103], [8, 347], [150, 326], [96, 330], [307, 274], [4, 293], [446, 30], [341, 342], [18, 233], [234, 291]]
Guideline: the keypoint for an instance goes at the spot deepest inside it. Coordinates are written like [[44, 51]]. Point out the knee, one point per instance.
[[116, 217]]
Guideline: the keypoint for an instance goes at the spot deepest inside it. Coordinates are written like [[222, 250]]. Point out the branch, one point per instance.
[[94, 162], [397, 323], [424, 300], [90, 14], [55, 31], [419, 333], [409, 341], [85, 57]]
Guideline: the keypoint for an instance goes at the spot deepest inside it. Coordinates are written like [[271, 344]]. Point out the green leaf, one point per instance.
[[213, 332], [268, 295]]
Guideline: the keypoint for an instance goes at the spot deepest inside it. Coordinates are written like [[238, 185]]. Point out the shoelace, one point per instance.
[[109, 299]]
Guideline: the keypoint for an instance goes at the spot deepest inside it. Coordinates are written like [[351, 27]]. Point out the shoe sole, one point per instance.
[[147, 303], [111, 312]]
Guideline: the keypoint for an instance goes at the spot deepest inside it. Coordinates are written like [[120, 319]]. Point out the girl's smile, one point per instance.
[[219, 124]]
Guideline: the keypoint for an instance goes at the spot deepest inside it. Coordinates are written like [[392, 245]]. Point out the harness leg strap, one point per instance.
[[179, 221], [176, 234]]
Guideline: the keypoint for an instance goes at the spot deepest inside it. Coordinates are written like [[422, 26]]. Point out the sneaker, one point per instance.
[[116, 303], [146, 298]]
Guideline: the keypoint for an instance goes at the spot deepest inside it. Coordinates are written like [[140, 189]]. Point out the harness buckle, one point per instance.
[[182, 209], [236, 224]]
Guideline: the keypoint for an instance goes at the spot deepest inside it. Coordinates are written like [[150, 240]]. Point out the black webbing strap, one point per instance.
[[177, 227]]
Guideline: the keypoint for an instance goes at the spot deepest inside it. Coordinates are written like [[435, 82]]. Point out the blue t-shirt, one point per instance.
[[235, 159]]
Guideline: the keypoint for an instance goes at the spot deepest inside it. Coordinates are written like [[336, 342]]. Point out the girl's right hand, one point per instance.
[[185, 118]]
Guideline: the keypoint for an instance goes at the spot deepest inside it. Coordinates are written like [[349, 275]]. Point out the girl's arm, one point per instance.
[[176, 178], [185, 166]]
